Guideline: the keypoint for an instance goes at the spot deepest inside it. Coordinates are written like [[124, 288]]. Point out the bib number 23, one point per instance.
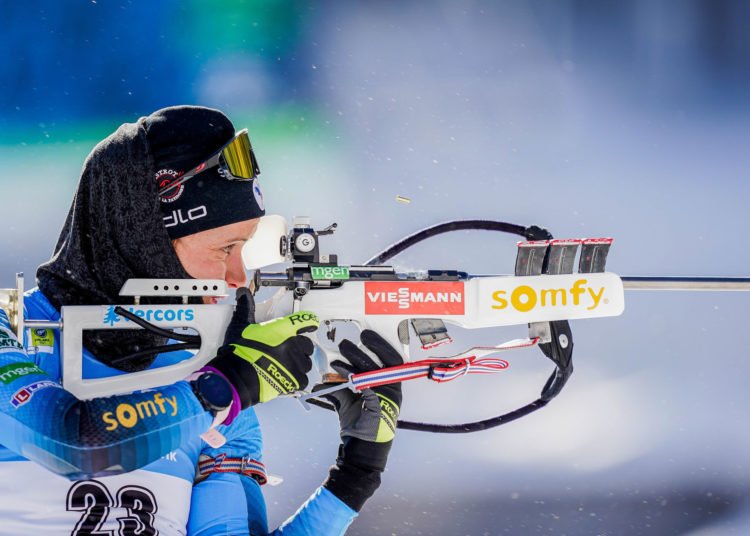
[[94, 501]]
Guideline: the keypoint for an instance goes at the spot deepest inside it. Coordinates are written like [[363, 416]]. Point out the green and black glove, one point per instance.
[[263, 361], [368, 422]]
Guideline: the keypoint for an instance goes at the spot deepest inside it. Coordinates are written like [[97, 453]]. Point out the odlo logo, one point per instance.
[[524, 298], [178, 216]]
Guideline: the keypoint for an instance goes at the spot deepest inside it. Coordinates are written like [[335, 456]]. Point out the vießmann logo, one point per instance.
[[397, 298]]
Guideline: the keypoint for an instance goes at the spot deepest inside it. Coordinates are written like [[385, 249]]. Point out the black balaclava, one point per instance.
[[115, 231]]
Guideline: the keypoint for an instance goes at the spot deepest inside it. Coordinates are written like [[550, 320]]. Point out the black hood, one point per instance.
[[113, 232]]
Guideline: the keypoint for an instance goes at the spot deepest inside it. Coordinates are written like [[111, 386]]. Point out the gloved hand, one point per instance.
[[263, 361], [368, 422]]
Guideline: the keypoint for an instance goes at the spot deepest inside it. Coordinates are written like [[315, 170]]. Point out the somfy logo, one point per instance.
[[524, 298], [128, 415]]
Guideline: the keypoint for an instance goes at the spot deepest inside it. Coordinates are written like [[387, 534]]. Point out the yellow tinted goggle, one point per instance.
[[236, 161]]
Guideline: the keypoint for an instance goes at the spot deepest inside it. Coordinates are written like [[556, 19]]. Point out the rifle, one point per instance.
[[544, 293]]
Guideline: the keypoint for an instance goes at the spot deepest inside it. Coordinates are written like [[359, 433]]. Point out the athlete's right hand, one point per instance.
[[263, 361]]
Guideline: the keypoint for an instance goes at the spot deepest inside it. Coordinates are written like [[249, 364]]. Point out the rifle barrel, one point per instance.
[[637, 282]]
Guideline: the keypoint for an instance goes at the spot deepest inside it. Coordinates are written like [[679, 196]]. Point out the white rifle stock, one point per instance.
[[370, 296]]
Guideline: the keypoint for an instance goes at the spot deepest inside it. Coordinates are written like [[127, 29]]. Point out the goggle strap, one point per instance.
[[237, 156]]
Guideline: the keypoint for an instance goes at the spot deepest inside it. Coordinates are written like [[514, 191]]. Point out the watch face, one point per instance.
[[215, 391]]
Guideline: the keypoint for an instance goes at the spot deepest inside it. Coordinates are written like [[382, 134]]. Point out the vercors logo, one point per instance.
[[159, 315], [421, 298]]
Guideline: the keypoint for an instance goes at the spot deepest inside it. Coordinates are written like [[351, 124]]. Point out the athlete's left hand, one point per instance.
[[371, 415], [368, 422]]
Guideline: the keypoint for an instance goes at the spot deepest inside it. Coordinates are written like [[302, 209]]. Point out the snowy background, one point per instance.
[[627, 119]]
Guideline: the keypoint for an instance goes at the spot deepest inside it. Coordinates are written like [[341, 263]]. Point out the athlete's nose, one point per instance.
[[235, 275]]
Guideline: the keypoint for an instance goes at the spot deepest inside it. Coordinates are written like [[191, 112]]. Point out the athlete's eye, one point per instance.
[[227, 249]]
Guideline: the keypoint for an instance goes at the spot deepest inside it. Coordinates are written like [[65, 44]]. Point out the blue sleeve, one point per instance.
[[323, 514], [227, 503], [82, 439]]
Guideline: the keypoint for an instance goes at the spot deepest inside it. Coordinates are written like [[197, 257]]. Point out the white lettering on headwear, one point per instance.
[[192, 214]]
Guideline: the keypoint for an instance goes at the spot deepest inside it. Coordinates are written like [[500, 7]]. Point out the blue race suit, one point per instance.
[[108, 447]]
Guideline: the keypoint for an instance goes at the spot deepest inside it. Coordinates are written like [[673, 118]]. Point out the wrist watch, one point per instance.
[[213, 392]]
